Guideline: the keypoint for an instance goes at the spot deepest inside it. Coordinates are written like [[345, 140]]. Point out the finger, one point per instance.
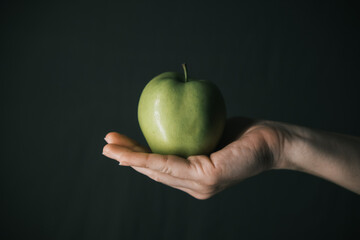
[[169, 164], [184, 185], [122, 140], [166, 178]]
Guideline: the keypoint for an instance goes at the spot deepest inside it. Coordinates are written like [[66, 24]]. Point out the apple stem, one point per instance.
[[185, 72]]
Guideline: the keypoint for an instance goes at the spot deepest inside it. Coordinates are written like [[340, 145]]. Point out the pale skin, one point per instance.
[[247, 148]]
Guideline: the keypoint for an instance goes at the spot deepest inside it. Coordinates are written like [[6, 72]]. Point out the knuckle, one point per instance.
[[165, 168], [147, 162]]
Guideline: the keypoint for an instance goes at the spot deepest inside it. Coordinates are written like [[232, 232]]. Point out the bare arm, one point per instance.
[[332, 156]]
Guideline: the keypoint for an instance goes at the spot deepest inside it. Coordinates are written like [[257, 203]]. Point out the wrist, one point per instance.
[[331, 156], [287, 142], [294, 139]]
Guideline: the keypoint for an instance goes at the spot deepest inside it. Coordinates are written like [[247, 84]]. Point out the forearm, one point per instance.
[[331, 156]]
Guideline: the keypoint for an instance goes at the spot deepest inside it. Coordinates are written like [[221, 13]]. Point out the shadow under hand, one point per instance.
[[234, 128]]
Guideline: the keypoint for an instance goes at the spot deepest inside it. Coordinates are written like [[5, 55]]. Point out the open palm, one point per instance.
[[247, 148]]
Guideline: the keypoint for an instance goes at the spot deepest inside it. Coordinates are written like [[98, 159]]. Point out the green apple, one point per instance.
[[181, 116]]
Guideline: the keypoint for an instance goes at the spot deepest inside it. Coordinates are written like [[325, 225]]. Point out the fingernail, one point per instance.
[[119, 163], [105, 139]]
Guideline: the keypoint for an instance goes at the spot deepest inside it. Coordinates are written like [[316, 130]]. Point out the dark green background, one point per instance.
[[71, 72]]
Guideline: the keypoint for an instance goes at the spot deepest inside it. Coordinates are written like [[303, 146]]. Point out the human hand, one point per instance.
[[248, 147]]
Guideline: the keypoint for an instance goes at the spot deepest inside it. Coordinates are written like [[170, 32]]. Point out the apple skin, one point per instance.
[[181, 116]]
